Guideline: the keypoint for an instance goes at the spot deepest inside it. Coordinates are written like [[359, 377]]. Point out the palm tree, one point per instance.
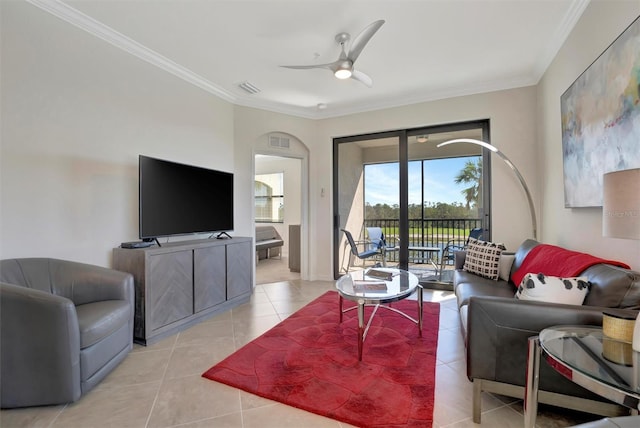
[[471, 174]]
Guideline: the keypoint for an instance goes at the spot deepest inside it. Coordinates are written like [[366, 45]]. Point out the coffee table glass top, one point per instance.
[[587, 354], [378, 285]]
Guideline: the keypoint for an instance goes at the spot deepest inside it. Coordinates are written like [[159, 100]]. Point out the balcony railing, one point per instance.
[[426, 232]]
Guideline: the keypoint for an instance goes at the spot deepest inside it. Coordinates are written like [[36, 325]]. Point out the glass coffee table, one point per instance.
[[376, 287], [582, 354]]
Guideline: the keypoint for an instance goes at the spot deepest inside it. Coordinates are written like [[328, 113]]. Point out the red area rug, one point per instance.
[[310, 361]]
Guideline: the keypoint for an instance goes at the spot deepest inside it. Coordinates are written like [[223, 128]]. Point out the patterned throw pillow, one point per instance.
[[482, 258], [553, 289]]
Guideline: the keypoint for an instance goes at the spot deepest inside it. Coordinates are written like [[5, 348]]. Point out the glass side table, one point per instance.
[[582, 354]]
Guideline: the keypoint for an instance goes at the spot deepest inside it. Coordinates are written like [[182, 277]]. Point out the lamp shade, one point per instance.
[[621, 204]]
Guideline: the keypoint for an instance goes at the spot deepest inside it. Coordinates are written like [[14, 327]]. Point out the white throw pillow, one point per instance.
[[553, 289], [504, 265]]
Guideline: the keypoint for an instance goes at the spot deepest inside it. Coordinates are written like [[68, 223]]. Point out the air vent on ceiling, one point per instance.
[[249, 87], [276, 141]]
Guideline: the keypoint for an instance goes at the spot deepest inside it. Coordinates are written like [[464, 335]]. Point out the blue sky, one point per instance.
[[381, 182]]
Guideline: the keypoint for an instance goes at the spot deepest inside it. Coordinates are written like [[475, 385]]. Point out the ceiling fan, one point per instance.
[[342, 68]]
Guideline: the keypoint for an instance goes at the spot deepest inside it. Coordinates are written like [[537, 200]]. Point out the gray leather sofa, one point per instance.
[[64, 327], [496, 328]]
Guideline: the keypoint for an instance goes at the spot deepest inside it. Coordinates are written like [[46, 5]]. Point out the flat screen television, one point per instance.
[[179, 199]]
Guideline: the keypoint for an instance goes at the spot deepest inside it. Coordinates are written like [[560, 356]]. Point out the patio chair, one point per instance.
[[369, 251], [379, 242], [455, 245]]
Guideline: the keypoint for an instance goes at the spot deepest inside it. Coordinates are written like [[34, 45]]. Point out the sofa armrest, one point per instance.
[[39, 348], [498, 332], [84, 283]]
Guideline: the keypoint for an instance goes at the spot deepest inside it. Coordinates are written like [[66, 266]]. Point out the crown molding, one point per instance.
[[298, 111], [73, 16], [399, 101], [430, 96], [119, 40], [569, 21]]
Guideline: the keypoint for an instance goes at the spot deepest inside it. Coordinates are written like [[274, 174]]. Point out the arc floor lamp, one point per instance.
[[513, 168]]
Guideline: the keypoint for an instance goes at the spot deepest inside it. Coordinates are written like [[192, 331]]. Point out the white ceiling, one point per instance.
[[426, 50]]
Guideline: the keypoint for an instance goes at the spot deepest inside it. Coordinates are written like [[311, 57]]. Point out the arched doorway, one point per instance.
[[284, 155]]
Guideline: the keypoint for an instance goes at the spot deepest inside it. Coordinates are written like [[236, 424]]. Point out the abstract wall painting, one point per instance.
[[601, 120]]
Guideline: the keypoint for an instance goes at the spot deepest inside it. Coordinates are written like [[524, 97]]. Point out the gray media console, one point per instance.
[[182, 283]]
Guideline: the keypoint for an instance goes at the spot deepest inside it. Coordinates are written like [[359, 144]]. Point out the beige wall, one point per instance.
[[578, 228], [351, 199], [76, 113]]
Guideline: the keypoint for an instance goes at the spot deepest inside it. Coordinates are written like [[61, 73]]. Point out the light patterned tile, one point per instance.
[[222, 317], [260, 297], [247, 329], [122, 406], [449, 318], [138, 367], [195, 360], [285, 293], [252, 401], [315, 289], [503, 417], [192, 399], [253, 310], [29, 417], [206, 334], [166, 343], [233, 420], [450, 346], [279, 415], [290, 307], [453, 396]]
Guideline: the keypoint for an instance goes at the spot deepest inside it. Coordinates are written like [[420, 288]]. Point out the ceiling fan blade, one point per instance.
[[329, 66], [361, 77], [363, 38]]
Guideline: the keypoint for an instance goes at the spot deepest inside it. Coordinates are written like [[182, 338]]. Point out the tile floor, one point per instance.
[[161, 385]]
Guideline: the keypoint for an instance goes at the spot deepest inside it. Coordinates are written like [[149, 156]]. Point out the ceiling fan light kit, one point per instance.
[[343, 67], [343, 71]]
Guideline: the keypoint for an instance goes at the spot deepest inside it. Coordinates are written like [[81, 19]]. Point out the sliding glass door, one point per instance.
[[422, 197], [367, 174]]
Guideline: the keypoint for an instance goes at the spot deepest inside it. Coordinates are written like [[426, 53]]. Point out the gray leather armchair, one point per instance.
[[63, 327]]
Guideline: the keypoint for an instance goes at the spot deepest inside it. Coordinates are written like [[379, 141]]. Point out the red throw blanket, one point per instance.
[[557, 261]]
